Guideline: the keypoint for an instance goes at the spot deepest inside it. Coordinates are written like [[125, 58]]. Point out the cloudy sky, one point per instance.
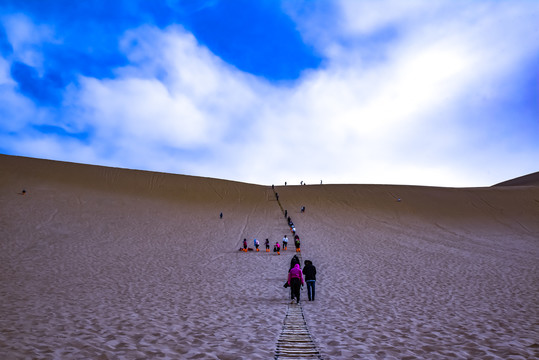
[[441, 93]]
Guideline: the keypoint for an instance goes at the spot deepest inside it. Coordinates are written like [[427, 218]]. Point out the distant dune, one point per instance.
[[110, 263], [526, 180]]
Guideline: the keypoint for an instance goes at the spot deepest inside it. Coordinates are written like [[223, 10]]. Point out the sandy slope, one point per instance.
[[526, 180], [442, 273], [106, 263]]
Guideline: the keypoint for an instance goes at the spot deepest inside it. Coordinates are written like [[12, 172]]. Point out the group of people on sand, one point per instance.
[[276, 247], [256, 245], [295, 279]]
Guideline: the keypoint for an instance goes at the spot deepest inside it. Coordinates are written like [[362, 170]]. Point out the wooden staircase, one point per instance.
[[295, 341]]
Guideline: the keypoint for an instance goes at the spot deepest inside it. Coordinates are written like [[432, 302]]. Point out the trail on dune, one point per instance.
[[295, 340]]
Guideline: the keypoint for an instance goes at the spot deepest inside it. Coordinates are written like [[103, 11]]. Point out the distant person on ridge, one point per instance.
[[221, 215], [257, 244], [267, 245], [310, 278], [295, 281], [245, 245], [285, 242]]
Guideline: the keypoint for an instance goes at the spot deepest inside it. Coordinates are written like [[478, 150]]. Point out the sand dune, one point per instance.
[[526, 180], [108, 263]]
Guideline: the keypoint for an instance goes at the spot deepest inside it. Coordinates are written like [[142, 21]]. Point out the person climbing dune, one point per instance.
[[309, 270], [293, 262], [295, 281]]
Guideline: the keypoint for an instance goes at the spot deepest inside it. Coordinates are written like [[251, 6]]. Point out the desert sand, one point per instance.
[[107, 263]]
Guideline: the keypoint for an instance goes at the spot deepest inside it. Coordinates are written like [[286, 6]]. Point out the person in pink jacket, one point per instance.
[[295, 281]]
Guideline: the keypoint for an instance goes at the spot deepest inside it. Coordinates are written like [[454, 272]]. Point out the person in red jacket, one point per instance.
[[295, 281]]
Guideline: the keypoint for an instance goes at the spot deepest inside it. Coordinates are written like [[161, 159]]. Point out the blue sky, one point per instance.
[[440, 93]]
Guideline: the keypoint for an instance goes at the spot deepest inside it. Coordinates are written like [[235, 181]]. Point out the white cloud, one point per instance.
[[174, 90], [412, 108], [5, 77], [176, 96], [16, 111], [407, 117], [26, 38], [393, 121], [143, 109]]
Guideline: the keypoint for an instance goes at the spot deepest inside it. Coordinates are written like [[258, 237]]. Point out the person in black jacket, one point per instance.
[[293, 262], [310, 278]]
